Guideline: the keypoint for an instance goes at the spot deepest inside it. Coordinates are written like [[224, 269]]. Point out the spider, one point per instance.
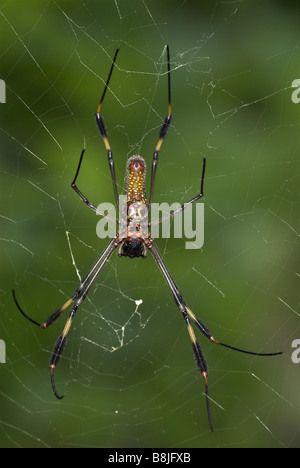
[[134, 244]]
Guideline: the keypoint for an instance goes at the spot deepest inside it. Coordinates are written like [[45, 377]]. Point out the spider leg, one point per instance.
[[78, 296], [188, 314], [186, 204], [163, 131], [103, 132], [95, 268], [82, 292], [201, 363], [204, 330], [83, 197], [51, 319], [197, 350], [60, 346]]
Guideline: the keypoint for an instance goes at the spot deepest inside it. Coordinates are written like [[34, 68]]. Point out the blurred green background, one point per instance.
[[128, 373]]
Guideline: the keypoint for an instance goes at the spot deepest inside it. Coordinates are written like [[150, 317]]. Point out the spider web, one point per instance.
[[127, 372]]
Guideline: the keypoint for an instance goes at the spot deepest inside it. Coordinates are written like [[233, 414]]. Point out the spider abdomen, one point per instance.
[[136, 180]]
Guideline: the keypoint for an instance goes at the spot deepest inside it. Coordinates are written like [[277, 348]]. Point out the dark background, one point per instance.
[[128, 373]]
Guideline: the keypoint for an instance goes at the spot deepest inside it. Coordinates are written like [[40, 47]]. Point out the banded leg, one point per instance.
[[103, 132], [204, 330], [60, 345], [53, 317], [202, 366], [196, 348], [90, 277], [78, 297], [163, 131], [188, 314]]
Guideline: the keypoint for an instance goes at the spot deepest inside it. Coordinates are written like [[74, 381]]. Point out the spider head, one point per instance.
[[133, 247]]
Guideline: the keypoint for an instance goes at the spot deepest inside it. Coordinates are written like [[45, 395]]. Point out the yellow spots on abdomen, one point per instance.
[[135, 180]]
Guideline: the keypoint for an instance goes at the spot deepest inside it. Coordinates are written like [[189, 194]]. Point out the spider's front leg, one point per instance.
[[163, 131], [103, 132]]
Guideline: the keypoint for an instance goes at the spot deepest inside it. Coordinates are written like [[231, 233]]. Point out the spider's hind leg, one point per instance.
[[201, 364], [204, 330], [60, 346]]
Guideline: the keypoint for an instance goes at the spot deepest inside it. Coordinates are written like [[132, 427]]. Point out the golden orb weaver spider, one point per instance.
[[134, 244]]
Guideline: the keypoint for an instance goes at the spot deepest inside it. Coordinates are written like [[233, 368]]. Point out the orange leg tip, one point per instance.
[[204, 375]]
